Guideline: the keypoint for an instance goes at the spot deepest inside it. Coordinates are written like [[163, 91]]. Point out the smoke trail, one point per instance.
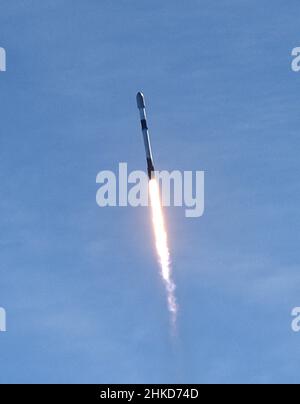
[[162, 246]]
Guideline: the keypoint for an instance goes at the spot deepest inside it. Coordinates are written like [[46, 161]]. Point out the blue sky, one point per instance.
[[79, 283]]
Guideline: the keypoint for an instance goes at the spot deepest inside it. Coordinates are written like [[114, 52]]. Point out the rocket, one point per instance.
[[142, 108]]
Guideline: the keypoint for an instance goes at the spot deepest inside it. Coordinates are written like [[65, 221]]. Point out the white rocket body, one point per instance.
[[142, 108]]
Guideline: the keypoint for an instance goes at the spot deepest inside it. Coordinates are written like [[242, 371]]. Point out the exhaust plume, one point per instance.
[[161, 241]]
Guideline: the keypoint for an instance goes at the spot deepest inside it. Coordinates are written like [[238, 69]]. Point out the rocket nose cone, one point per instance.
[[140, 100]]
